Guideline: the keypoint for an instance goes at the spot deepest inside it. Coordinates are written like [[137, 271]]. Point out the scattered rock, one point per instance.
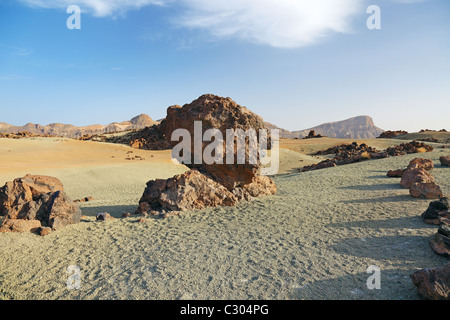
[[395, 173], [45, 231], [412, 176], [433, 284], [436, 211], [421, 163], [126, 215], [426, 190], [86, 199], [445, 161], [142, 220], [440, 244], [20, 225], [103, 216]]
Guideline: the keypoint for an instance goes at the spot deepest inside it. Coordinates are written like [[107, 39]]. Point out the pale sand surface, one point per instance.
[[313, 240]]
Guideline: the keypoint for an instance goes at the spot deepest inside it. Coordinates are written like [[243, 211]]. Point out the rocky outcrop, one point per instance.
[[206, 184], [392, 134], [36, 198], [433, 284], [409, 148]]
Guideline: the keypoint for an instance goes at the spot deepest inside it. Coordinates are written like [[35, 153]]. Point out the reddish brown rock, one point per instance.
[[412, 176], [20, 225], [45, 231], [215, 113], [395, 173], [445, 161], [38, 198], [436, 210], [103, 216], [433, 284], [195, 190], [440, 244], [422, 163], [426, 190], [15, 195]]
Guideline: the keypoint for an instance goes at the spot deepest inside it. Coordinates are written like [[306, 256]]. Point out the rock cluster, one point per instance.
[[346, 154], [434, 284], [392, 134], [32, 202], [418, 179], [206, 185], [409, 148]]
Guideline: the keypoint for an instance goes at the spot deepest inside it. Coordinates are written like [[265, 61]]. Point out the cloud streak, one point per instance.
[[277, 23]]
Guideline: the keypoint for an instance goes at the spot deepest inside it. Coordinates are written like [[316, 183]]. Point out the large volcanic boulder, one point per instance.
[[418, 175], [36, 198], [215, 113], [209, 184], [433, 284]]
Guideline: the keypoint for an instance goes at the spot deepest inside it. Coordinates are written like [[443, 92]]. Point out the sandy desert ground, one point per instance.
[[313, 240]]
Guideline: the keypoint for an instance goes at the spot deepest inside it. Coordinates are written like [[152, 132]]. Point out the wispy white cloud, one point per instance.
[[277, 23], [99, 8], [17, 50]]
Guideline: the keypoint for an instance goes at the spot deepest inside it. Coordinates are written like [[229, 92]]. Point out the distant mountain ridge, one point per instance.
[[360, 127], [70, 131]]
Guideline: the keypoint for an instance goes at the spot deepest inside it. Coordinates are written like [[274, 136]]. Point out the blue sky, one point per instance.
[[296, 63]]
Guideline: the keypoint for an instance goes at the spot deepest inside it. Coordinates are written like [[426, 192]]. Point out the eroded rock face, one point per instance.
[[215, 113], [15, 196], [417, 175], [426, 191], [433, 284], [37, 198]]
